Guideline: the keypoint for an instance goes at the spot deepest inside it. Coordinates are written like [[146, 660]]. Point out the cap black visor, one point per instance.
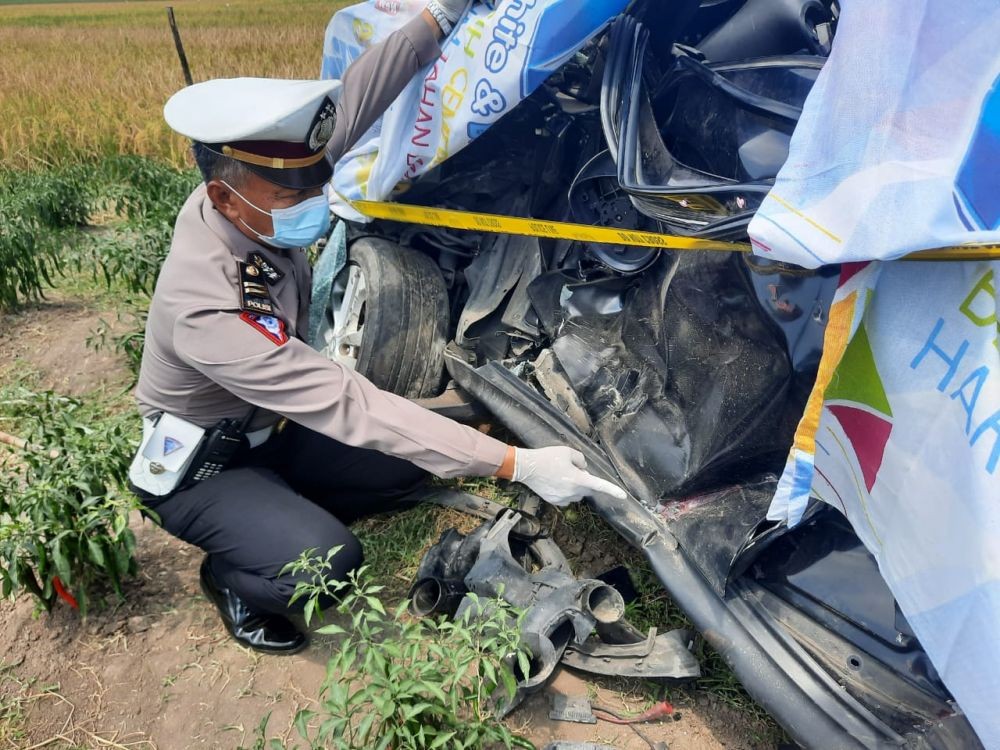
[[299, 178]]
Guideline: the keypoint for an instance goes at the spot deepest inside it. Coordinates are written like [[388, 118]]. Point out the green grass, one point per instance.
[[394, 543], [13, 705], [69, 2], [84, 80]]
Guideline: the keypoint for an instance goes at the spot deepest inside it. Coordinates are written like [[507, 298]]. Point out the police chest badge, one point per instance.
[[271, 274], [255, 297]]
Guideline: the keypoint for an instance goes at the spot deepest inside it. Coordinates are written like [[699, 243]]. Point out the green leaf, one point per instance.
[[523, 663], [302, 719], [508, 681], [96, 553], [489, 671], [331, 629], [365, 727], [62, 562], [129, 539], [413, 711], [436, 692]]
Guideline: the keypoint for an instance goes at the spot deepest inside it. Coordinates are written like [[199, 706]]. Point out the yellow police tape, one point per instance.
[[564, 230]]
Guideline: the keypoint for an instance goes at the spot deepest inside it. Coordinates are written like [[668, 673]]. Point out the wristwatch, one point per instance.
[[439, 15]]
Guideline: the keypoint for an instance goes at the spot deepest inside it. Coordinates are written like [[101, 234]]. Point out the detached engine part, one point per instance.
[[560, 611]]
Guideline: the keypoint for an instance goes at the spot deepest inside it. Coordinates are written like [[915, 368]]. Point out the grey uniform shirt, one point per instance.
[[205, 359]]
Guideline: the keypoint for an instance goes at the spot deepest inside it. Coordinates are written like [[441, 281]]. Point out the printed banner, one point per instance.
[[898, 150], [492, 60]]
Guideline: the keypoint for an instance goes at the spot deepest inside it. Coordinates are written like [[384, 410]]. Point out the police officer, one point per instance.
[[225, 366]]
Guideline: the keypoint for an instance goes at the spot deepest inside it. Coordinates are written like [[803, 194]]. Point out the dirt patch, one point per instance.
[[160, 672], [50, 339]]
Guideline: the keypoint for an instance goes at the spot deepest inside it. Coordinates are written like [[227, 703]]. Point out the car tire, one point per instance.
[[388, 318]]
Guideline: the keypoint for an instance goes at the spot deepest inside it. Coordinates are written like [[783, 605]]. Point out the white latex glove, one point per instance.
[[558, 475]]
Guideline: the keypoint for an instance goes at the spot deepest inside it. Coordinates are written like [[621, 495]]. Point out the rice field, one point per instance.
[[81, 81]]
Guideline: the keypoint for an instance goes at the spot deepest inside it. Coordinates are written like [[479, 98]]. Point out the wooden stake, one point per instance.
[[23, 445], [180, 45]]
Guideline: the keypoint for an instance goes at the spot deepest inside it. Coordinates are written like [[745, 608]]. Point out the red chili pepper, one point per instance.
[[63, 593]]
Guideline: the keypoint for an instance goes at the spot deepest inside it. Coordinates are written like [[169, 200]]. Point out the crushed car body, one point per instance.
[[680, 376]]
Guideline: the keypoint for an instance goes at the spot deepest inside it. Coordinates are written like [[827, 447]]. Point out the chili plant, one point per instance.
[[36, 210], [147, 196], [404, 683], [64, 515]]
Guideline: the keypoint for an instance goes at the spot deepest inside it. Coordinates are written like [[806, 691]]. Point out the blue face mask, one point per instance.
[[296, 226]]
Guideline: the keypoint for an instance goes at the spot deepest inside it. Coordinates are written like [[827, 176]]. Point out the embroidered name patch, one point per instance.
[[270, 326], [255, 297]]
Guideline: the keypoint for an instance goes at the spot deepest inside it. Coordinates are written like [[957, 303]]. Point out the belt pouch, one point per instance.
[[168, 446]]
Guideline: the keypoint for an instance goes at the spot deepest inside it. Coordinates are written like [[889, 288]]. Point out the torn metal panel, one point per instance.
[[682, 374], [493, 276], [714, 527], [525, 412], [557, 389], [798, 301], [664, 656], [862, 635]]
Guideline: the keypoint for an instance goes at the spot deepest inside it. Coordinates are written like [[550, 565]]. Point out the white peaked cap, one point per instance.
[[225, 110]]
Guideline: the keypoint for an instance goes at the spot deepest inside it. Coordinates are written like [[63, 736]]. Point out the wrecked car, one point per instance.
[[680, 375]]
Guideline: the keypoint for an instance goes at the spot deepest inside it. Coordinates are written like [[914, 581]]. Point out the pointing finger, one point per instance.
[[601, 485]]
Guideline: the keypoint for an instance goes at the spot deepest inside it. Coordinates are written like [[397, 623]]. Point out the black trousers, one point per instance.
[[297, 491]]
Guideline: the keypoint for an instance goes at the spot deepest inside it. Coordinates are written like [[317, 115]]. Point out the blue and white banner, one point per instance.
[[492, 60], [898, 150]]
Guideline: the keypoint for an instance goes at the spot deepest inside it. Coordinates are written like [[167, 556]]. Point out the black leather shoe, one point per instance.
[[271, 634]]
